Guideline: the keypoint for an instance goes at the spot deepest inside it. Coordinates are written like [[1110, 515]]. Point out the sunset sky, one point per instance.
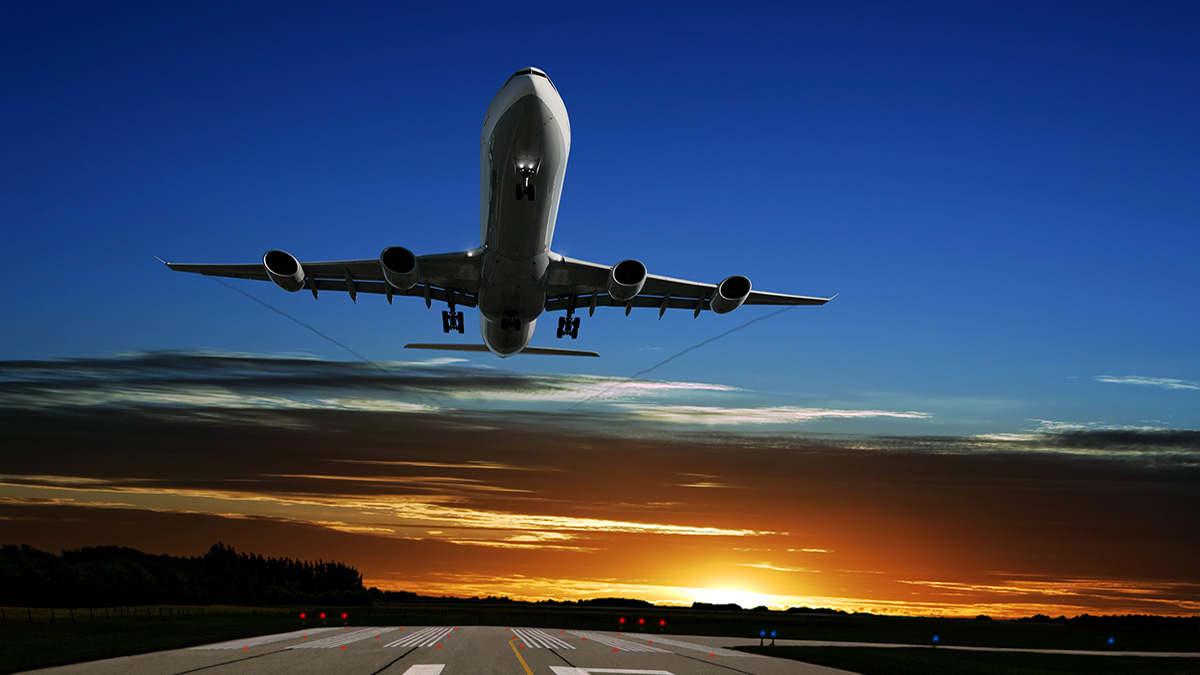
[[1000, 412]]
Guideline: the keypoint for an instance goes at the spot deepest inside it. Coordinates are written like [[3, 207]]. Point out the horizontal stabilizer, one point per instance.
[[537, 351]]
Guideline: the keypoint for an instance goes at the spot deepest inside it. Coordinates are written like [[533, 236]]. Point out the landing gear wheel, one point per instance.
[[575, 328], [529, 191], [445, 322], [561, 327], [458, 319], [520, 191]]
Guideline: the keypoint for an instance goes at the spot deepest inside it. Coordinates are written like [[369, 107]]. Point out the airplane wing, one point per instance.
[[440, 276], [586, 285]]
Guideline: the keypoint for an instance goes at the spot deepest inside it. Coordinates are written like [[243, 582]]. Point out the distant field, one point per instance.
[[28, 639], [900, 661]]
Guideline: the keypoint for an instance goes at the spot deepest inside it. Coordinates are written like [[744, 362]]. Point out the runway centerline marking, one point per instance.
[[519, 657], [565, 670]]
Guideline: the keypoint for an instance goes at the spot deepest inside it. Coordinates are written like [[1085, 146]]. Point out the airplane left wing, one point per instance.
[[577, 284], [434, 277]]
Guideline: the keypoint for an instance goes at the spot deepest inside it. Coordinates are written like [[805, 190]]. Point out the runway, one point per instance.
[[453, 650]]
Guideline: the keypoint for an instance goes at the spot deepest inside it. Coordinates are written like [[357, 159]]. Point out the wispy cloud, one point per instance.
[[1160, 382], [776, 568], [712, 415]]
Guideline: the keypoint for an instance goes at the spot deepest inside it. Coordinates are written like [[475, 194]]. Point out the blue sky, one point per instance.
[[1004, 194]]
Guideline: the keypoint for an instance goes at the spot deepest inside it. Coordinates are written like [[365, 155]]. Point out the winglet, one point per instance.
[[162, 261]]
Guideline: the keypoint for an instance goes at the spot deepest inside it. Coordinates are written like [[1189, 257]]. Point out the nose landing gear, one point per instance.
[[526, 170]]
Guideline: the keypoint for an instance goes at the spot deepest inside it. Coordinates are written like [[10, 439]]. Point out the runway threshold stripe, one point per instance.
[[537, 639], [342, 639], [426, 637], [703, 648], [425, 669], [265, 639], [623, 645]]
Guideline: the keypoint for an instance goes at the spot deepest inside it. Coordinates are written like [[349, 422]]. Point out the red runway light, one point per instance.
[[322, 615], [303, 615], [343, 615], [641, 622], [245, 649]]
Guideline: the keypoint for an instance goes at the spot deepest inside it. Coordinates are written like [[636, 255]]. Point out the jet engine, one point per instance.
[[399, 267], [283, 268], [626, 280], [731, 293]]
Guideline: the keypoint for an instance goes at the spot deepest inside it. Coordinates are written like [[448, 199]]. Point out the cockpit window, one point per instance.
[[530, 71]]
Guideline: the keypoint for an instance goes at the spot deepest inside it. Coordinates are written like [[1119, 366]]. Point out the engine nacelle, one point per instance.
[[626, 280], [283, 268], [399, 267], [731, 293]]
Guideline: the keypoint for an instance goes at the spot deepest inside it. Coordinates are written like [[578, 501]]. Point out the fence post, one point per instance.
[[51, 615]]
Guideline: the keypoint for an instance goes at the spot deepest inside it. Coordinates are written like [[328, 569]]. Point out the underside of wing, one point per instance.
[[446, 277], [576, 284]]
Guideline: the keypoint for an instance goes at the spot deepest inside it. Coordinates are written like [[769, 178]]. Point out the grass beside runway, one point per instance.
[[26, 646], [924, 661]]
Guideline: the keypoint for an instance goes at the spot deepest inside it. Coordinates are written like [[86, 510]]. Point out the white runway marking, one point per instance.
[[343, 638], [426, 637], [265, 639], [623, 645], [535, 638], [563, 670], [703, 648], [426, 669]]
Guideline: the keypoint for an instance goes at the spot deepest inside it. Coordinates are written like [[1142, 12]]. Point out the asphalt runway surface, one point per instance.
[[453, 650]]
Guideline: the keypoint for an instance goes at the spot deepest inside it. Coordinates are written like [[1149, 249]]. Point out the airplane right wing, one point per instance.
[[575, 284]]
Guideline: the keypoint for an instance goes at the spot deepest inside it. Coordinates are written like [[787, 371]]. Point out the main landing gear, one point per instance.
[[569, 324], [452, 320]]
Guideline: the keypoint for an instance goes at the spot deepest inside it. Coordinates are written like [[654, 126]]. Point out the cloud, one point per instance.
[[711, 415], [1161, 382], [776, 568]]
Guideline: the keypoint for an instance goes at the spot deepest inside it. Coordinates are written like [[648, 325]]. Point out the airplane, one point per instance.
[[513, 277]]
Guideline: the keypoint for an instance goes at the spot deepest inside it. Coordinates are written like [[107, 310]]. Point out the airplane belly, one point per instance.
[[512, 288], [523, 169], [504, 342]]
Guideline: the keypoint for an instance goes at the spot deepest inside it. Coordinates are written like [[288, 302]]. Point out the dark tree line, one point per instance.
[[111, 576]]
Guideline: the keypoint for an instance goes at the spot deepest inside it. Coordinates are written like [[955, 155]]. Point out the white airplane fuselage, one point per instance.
[[523, 159]]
